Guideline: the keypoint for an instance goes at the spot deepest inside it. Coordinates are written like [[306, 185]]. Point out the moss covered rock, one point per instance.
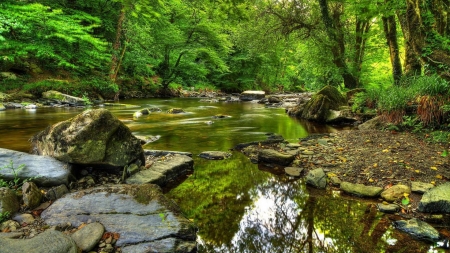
[[319, 106], [94, 137]]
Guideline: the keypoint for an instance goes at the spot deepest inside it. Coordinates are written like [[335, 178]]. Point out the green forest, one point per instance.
[[398, 50]]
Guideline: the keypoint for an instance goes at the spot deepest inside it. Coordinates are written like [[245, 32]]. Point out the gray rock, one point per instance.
[[50, 241], [56, 192], [293, 171], [32, 196], [214, 155], [93, 137], [395, 192], [249, 95], [420, 187], [361, 190], [141, 214], [275, 157], [24, 218], [341, 116], [436, 200], [418, 229], [8, 201], [388, 208], [323, 142], [317, 178], [162, 172], [88, 236], [293, 145], [43, 170]]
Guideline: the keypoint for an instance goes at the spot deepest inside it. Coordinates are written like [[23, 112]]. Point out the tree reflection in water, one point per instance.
[[287, 217]]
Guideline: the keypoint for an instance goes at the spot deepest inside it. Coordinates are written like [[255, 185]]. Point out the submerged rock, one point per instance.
[[418, 229], [141, 214], [94, 137], [175, 111]]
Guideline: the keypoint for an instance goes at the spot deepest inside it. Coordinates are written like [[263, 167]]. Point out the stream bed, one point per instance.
[[239, 206]]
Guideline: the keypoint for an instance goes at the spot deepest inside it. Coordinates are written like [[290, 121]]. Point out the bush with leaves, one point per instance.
[[32, 33], [16, 182]]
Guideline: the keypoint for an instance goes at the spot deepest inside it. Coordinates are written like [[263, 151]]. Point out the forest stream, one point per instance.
[[239, 206]]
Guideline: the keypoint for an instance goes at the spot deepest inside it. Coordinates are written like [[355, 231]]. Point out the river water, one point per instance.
[[239, 206]]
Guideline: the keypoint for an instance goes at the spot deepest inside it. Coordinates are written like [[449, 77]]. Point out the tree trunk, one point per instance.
[[116, 45], [335, 34], [390, 32]]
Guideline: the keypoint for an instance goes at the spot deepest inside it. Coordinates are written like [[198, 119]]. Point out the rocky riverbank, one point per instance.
[[406, 174]]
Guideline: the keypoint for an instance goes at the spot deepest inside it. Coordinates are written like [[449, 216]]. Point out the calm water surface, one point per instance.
[[239, 206]]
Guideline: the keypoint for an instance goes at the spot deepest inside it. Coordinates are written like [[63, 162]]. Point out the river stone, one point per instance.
[[275, 157], [249, 95], [141, 214], [8, 201], [9, 225], [93, 137], [154, 152], [56, 192], [395, 192], [50, 241], [436, 200], [43, 170], [361, 190], [293, 171], [420, 187], [418, 229], [214, 155], [162, 172], [88, 236], [293, 145], [388, 208], [175, 111], [23, 218], [32, 196], [317, 178], [344, 115]]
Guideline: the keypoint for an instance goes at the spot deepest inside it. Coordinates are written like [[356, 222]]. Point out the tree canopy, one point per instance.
[[228, 45]]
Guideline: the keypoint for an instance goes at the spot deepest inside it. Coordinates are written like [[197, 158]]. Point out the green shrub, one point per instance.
[[4, 216]]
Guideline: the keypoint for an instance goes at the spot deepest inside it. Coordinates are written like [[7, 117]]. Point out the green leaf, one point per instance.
[[405, 201], [444, 153]]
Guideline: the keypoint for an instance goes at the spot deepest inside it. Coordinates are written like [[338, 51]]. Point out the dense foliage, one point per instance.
[[285, 45]]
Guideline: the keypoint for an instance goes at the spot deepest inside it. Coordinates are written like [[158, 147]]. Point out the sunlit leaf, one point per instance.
[[433, 168], [444, 153], [405, 201]]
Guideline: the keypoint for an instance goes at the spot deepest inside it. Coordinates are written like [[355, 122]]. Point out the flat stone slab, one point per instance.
[[155, 152], [162, 172], [249, 95], [141, 214], [388, 208], [215, 155], [361, 190], [436, 200], [44, 170]]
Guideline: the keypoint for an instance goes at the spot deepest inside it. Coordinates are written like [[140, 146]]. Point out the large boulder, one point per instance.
[[319, 106], [43, 170], [418, 229], [141, 214], [94, 137]]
